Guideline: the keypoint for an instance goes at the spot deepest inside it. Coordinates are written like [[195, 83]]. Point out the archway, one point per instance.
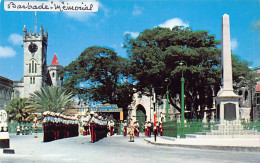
[[141, 117]]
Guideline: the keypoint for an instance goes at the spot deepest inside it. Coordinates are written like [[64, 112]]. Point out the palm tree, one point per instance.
[[16, 110], [55, 99]]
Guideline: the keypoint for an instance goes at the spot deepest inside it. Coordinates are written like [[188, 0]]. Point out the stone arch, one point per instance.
[[141, 116]]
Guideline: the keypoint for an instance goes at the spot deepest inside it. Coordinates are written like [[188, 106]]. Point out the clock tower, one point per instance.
[[35, 67]]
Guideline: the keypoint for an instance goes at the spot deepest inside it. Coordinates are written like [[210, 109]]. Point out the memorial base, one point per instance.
[[8, 151], [4, 143]]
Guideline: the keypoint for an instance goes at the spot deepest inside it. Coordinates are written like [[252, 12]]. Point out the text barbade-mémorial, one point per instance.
[[51, 6]]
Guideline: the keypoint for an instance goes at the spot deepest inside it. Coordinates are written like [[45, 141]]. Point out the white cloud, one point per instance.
[[133, 34], [256, 25], [6, 52], [137, 10], [16, 39], [174, 22], [233, 44]]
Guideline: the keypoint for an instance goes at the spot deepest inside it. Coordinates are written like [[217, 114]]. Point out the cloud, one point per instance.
[[15, 39], [174, 22], [137, 10], [6, 52], [256, 25], [233, 44], [133, 34]]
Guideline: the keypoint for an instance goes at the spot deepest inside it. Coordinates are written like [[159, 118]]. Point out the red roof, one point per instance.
[[55, 60], [257, 88]]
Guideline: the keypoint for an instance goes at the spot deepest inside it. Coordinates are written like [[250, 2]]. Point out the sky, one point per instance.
[[71, 33]]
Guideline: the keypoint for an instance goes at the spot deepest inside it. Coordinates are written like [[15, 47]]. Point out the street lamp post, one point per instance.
[[167, 96], [182, 101], [154, 110]]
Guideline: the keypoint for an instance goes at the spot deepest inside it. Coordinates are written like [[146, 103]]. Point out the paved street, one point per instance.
[[113, 149]]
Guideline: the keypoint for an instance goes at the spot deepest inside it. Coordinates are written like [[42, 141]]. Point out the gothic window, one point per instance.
[[30, 80], [53, 74], [246, 95], [30, 67], [35, 67], [33, 80], [258, 101]]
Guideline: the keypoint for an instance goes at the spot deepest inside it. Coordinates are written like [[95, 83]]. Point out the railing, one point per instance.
[[194, 126], [252, 125], [28, 129], [170, 129], [173, 129]]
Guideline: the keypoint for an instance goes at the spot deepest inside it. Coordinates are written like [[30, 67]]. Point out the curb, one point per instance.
[[209, 147]]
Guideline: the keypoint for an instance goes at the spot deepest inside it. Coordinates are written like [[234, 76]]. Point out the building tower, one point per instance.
[[53, 72], [35, 68]]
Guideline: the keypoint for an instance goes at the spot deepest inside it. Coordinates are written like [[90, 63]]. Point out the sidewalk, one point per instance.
[[233, 144]]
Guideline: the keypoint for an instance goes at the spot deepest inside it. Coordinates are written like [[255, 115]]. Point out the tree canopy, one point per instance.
[[16, 110], [156, 55], [55, 99], [99, 74]]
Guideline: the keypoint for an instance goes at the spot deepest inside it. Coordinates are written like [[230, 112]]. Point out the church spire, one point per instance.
[[55, 61], [35, 22]]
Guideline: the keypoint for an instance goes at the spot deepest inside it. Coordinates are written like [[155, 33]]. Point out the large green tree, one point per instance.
[[100, 75], [16, 110], [55, 99], [156, 55]]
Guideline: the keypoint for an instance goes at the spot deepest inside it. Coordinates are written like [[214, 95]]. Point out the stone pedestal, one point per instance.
[[4, 135], [227, 108], [4, 140]]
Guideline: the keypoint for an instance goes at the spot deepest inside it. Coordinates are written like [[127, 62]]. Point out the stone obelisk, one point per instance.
[[227, 77], [227, 100]]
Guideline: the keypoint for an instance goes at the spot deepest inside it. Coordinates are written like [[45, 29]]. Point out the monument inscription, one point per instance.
[[3, 116], [229, 111]]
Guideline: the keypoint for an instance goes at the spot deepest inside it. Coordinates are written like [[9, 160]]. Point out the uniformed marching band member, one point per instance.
[[22, 129], [18, 130], [157, 128], [111, 126], [35, 125], [124, 127], [145, 128], [149, 128], [131, 130], [136, 128], [44, 121], [86, 124], [161, 128]]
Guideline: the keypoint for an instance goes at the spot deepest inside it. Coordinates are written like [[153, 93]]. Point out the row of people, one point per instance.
[[135, 126], [148, 128], [58, 126], [97, 126]]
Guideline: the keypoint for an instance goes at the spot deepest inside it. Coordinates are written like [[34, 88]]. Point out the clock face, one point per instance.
[[33, 47]]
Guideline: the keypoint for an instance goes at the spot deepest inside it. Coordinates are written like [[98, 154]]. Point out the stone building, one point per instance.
[[141, 109], [36, 72], [6, 90], [256, 109]]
